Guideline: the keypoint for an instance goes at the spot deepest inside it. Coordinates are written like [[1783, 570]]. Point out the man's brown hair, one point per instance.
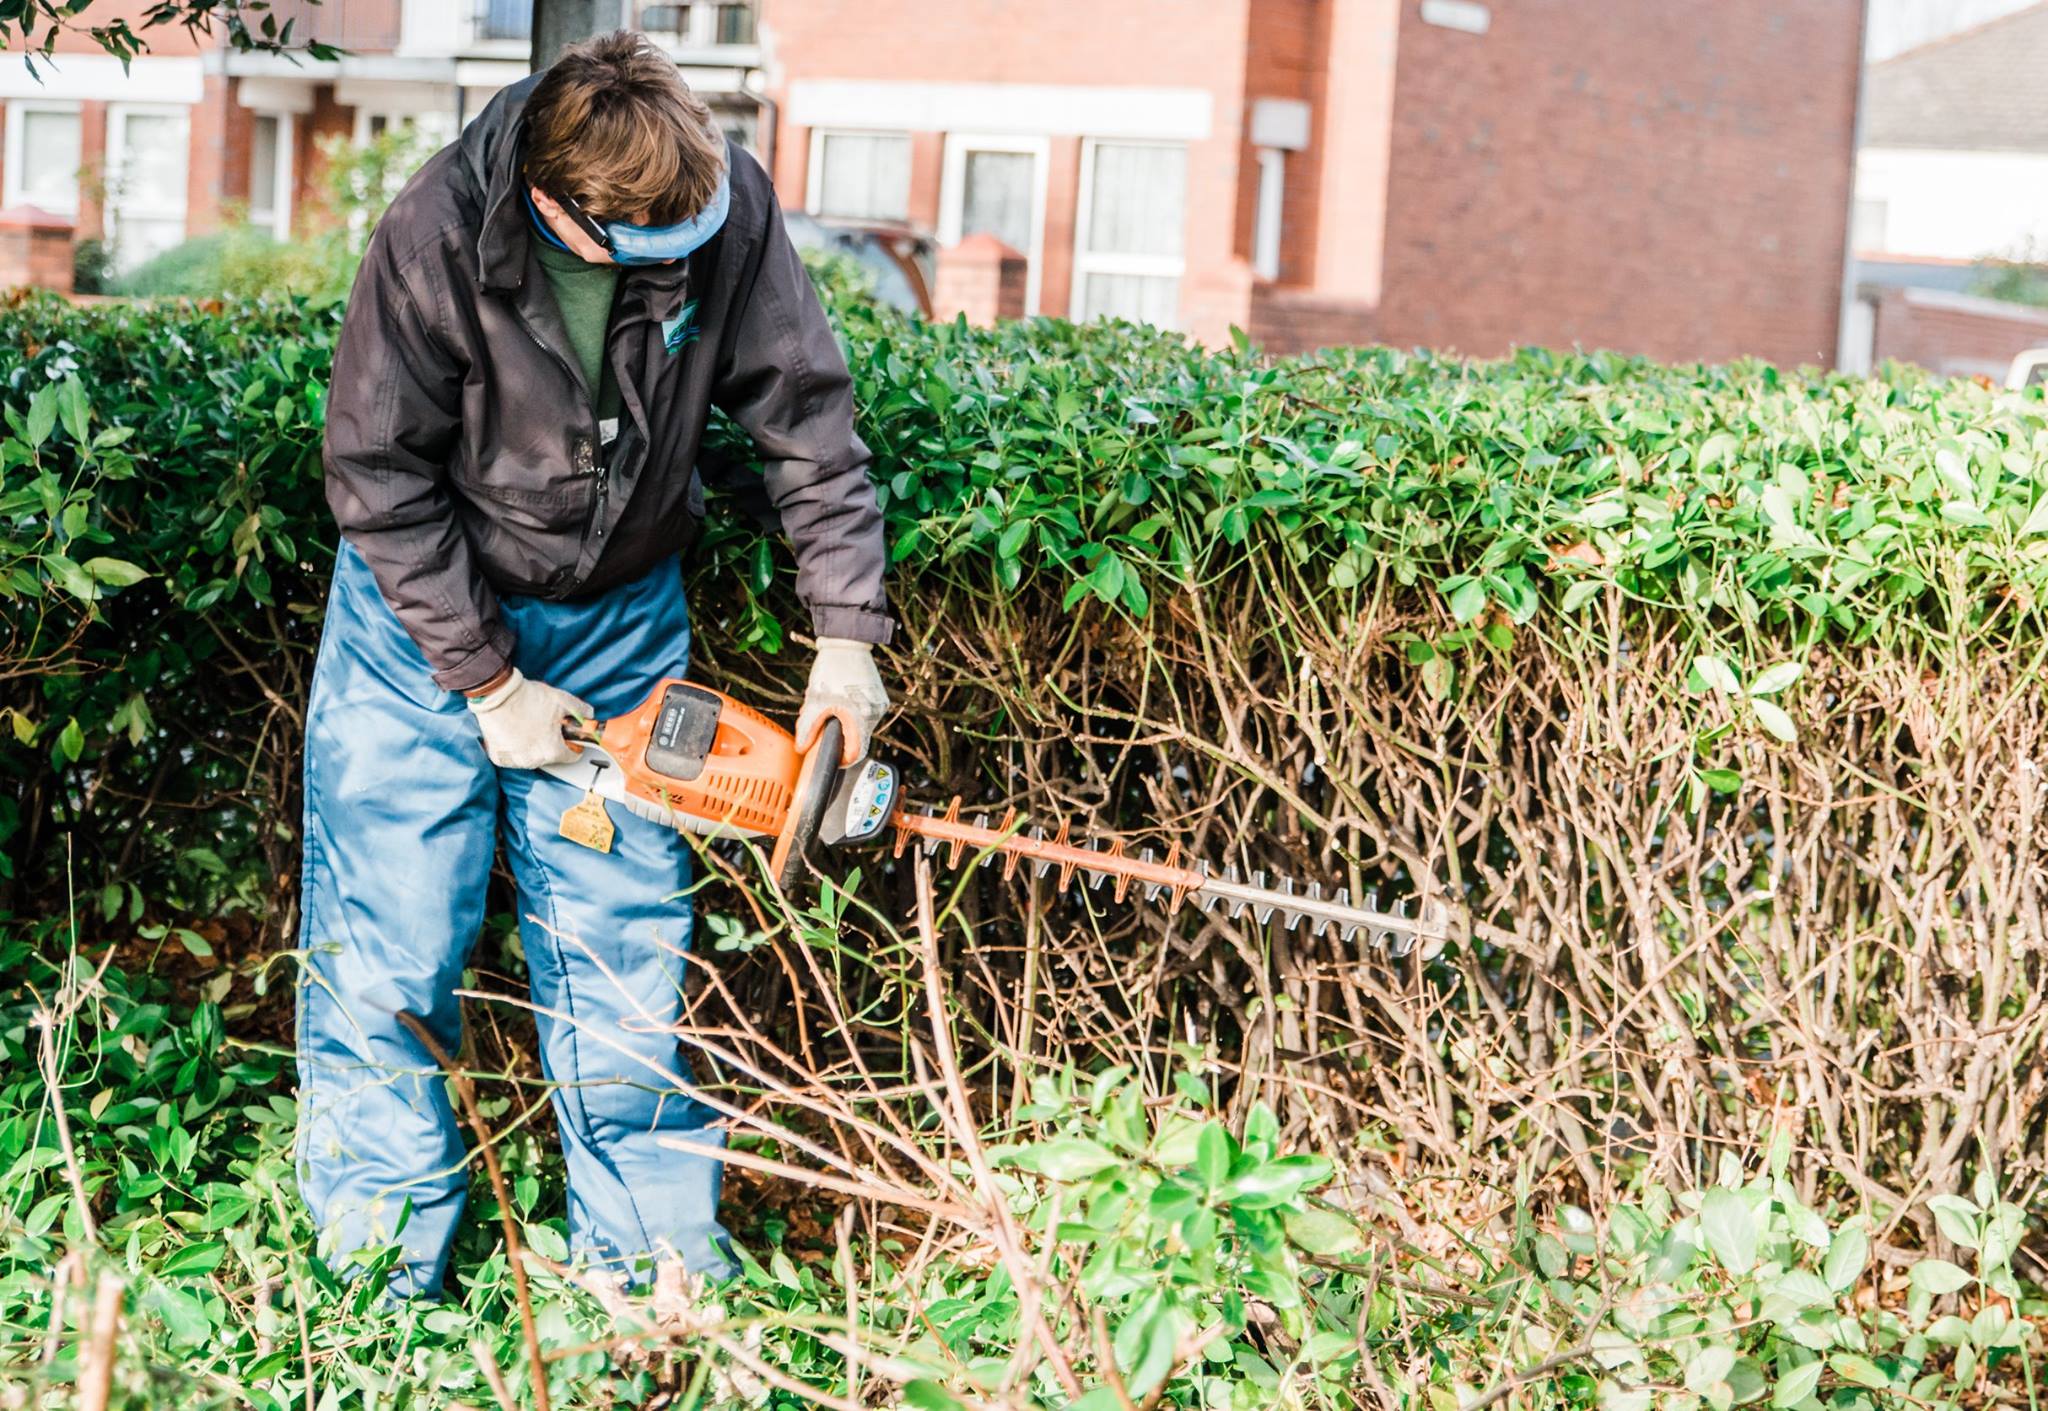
[[612, 126]]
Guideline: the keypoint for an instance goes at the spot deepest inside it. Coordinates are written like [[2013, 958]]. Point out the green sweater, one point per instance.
[[584, 292]]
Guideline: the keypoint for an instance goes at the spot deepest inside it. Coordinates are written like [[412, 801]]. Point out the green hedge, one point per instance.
[[1709, 696], [167, 542]]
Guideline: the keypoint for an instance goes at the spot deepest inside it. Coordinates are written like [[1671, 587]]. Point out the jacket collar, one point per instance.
[[492, 155]]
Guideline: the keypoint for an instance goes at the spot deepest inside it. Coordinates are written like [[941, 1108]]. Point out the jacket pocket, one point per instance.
[[525, 499]]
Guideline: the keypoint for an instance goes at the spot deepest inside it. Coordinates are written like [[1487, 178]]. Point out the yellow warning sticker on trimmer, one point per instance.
[[587, 823]]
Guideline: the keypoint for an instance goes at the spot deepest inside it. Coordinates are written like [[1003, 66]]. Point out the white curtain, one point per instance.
[[49, 159], [263, 170], [1137, 205], [147, 198], [997, 198], [1130, 256], [1141, 298], [865, 176]]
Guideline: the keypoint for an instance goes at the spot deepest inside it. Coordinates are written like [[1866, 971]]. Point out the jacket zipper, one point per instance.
[[604, 476], [603, 469]]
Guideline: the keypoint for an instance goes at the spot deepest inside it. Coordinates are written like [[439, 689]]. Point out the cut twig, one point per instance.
[[96, 1367], [1004, 1228], [493, 1376], [871, 1189], [70, 1267], [48, 1021], [849, 1278], [465, 1094], [1105, 1358]]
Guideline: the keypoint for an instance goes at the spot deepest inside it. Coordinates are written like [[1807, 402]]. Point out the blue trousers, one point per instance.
[[403, 815]]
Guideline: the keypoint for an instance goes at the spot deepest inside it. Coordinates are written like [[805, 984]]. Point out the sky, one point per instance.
[[1902, 24]]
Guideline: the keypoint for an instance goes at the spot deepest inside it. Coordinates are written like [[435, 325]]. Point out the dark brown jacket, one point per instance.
[[463, 456]]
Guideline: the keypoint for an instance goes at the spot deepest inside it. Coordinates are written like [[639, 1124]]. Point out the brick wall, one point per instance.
[[35, 250], [1955, 334], [217, 171], [1661, 178], [1283, 59], [328, 120], [1056, 287], [1670, 179], [1301, 321], [927, 170], [1149, 43], [92, 171], [164, 40], [1351, 143]]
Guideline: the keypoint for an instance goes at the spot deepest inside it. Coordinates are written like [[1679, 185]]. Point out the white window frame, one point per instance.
[[703, 26], [953, 195], [1085, 263], [1272, 207], [280, 223], [814, 169], [13, 194], [118, 208]]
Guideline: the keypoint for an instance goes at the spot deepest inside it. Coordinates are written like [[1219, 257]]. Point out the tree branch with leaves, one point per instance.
[[35, 26]]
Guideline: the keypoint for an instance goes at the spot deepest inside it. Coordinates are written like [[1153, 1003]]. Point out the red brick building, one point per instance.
[[192, 135], [1665, 179], [1660, 178]]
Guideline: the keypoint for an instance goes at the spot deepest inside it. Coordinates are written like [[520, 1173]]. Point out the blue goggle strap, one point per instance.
[[642, 244]]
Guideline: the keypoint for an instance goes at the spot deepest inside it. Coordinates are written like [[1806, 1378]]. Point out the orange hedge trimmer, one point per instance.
[[702, 762]]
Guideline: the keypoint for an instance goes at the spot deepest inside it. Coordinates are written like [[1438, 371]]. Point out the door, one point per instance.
[[997, 185]]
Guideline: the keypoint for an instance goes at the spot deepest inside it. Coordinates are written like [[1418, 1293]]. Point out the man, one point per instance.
[[542, 322]]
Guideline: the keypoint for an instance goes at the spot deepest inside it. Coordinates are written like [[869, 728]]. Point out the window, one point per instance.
[[146, 149], [860, 175], [735, 24], [1272, 197], [43, 157], [429, 127], [672, 20], [504, 19], [996, 196], [270, 174], [1128, 257], [996, 185], [741, 125]]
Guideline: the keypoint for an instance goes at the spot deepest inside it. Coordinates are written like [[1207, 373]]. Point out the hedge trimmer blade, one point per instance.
[[692, 758], [1195, 884]]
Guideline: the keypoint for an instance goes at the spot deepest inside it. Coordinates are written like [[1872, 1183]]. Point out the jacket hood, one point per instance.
[[489, 153]]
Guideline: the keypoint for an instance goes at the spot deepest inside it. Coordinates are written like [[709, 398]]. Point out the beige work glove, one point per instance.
[[845, 684], [521, 722]]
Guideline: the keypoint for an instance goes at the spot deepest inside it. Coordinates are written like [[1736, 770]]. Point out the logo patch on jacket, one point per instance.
[[681, 331]]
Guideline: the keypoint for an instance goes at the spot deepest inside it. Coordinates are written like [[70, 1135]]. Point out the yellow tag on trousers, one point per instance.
[[588, 824]]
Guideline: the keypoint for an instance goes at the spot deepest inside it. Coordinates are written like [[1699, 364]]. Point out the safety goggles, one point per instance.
[[651, 244]]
